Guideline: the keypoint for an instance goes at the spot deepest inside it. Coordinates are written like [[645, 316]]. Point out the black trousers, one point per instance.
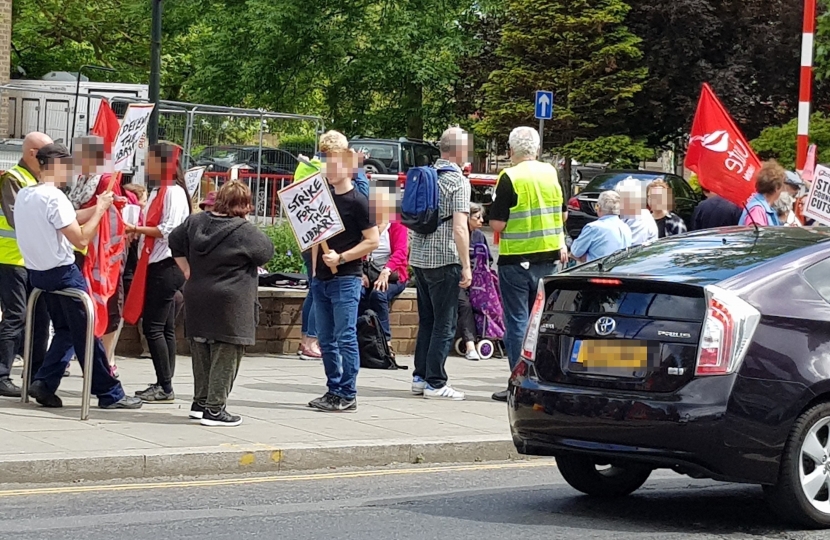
[[14, 294], [466, 320], [164, 279]]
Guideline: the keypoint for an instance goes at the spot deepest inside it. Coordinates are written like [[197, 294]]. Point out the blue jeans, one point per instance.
[[518, 292], [309, 326], [379, 302], [437, 318], [335, 307], [69, 320]]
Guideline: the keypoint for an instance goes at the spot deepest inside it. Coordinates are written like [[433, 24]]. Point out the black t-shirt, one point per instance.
[[506, 198], [353, 208]]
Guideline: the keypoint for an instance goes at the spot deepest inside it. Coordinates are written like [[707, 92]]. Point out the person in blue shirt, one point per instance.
[[605, 235]]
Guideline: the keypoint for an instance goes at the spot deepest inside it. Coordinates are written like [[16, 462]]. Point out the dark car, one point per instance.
[[390, 156], [708, 354], [222, 158], [582, 207]]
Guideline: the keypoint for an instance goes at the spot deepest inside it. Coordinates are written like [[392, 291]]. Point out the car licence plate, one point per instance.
[[610, 356]]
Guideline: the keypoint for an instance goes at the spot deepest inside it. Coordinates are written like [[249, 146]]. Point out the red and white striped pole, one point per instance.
[[806, 90]]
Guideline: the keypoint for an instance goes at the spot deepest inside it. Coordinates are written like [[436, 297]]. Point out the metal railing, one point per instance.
[[86, 393]]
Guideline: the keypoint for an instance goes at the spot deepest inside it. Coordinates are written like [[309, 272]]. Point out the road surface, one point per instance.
[[497, 501]]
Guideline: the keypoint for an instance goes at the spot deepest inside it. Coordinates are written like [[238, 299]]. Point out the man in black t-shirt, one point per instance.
[[337, 295]]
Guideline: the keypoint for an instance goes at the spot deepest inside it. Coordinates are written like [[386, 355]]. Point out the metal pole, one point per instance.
[[27, 344], [806, 87], [155, 72], [541, 137], [78, 94], [259, 173]]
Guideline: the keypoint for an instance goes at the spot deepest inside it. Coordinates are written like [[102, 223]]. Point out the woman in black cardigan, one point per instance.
[[219, 252]]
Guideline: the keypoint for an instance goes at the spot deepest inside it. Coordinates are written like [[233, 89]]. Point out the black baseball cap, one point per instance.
[[53, 152]]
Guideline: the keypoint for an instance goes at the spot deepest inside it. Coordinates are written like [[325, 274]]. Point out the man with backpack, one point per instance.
[[435, 207], [527, 213]]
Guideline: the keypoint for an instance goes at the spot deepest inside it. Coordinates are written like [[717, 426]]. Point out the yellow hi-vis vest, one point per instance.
[[9, 252], [535, 224]]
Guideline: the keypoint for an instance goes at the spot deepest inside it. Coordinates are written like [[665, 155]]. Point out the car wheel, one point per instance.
[[373, 166], [585, 475], [802, 494]]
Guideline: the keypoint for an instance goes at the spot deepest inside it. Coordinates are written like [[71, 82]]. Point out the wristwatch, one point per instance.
[[342, 260]]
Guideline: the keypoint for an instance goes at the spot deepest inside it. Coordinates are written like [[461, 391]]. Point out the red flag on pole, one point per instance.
[[718, 152], [106, 125]]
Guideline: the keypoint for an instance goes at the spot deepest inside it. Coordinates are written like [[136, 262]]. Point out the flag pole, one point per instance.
[[806, 85]]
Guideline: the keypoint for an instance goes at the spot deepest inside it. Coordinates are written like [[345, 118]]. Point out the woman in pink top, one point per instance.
[[385, 270]]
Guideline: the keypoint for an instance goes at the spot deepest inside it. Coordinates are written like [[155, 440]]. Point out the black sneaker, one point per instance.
[[501, 396], [127, 402], [222, 418], [197, 412], [156, 394], [317, 403], [332, 403], [9, 389], [42, 395]]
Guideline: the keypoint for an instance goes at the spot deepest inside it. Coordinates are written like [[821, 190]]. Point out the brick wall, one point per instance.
[[5, 61], [280, 321]]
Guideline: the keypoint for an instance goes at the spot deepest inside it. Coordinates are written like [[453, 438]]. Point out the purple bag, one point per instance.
[[484, 295]]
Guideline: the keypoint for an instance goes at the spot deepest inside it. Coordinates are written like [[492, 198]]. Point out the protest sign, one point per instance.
[[133, 128], [192, 178], [818, 201], [311, 212]]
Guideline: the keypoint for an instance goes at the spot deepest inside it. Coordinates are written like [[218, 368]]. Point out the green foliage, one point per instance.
[[694, 182], [287, 254], [619, 151], [779, 142]]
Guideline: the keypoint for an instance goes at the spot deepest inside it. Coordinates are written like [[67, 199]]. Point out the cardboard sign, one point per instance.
[[193, 177], [817, 206], [311, 211], [133, 129]]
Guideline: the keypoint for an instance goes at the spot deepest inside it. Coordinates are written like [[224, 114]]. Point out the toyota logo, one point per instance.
[[605, 326]]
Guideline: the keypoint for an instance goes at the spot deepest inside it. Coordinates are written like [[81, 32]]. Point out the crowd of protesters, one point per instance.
[[59, 211]]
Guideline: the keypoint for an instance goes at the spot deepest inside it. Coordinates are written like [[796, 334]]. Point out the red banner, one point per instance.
[[718, 152], [106, 125]]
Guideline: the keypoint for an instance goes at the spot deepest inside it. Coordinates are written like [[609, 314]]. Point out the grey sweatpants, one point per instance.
[[215, 366]]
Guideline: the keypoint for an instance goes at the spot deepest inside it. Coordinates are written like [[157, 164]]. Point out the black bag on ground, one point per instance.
[[374, 350]]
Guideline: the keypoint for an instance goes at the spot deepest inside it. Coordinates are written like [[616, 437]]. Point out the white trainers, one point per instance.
[[418, 385], [473, 356], [18, 361], [447, 392]]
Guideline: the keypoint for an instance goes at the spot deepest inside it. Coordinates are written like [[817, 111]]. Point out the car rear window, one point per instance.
[[608, 182], [621, 302]]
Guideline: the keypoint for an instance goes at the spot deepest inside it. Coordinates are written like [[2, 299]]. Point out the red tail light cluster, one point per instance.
[[573, 204], [532, 333], [727, 331]]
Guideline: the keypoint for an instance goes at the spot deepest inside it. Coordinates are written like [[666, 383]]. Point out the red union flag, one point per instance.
[[718, 152]]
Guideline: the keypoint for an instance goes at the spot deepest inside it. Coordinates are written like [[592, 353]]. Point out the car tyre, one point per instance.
[[373, 166], [582, 474], [789, 497]]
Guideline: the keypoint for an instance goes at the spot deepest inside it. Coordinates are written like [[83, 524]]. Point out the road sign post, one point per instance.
[[544, 111]]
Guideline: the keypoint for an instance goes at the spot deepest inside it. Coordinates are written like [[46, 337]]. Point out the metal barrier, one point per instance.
[[86, 393]]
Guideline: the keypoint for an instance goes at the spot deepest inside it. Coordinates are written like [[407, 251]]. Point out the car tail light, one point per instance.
[[573, 204], [402, 180], [605, 282], [727, 331], [532, 332]]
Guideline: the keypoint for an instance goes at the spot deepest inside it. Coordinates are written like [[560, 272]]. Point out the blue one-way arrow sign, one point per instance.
[[544, 105]]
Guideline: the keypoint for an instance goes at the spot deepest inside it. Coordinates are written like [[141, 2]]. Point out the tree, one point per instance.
[[579, 49], [619, 151], [779, 142]]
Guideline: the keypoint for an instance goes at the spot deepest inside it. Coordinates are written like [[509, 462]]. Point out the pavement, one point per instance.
[[489, 501], [279, 434]]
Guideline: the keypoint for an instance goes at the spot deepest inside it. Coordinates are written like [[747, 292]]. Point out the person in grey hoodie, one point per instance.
[[219, 252]]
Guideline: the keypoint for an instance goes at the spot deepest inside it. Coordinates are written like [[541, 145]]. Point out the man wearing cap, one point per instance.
[[48, 229], [14, 281], [795, 187]]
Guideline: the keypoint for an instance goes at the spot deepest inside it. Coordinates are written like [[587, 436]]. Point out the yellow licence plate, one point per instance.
[[601, 354]]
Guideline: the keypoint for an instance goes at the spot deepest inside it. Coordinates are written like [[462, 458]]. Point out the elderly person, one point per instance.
[[634, 213], [769, 183], [219, 252], [604, 236], [784, 209]]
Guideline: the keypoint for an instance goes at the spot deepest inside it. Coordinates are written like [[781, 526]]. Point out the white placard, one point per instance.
[[817, 206], [193, 177], [131, 214], [311, 211], [133, 129]]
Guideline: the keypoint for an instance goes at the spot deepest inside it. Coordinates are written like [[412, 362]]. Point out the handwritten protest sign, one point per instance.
[[192, 178], [818, 201], [133, 128], [311, 211]]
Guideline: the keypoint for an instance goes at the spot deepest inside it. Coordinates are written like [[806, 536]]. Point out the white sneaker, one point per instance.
[[447, 392], [473, 356], [18, 361], [418, 385]]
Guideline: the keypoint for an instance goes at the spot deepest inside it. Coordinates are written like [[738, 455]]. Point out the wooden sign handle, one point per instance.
[[326, 250]]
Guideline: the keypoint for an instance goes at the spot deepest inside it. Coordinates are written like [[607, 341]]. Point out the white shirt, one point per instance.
[[176, 210], [643, 228], [382, 253], [39, 213]]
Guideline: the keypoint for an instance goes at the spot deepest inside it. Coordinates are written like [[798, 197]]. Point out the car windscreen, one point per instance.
[[608, 182]]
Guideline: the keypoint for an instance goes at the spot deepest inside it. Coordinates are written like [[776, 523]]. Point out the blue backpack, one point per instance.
[[419, 209]]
